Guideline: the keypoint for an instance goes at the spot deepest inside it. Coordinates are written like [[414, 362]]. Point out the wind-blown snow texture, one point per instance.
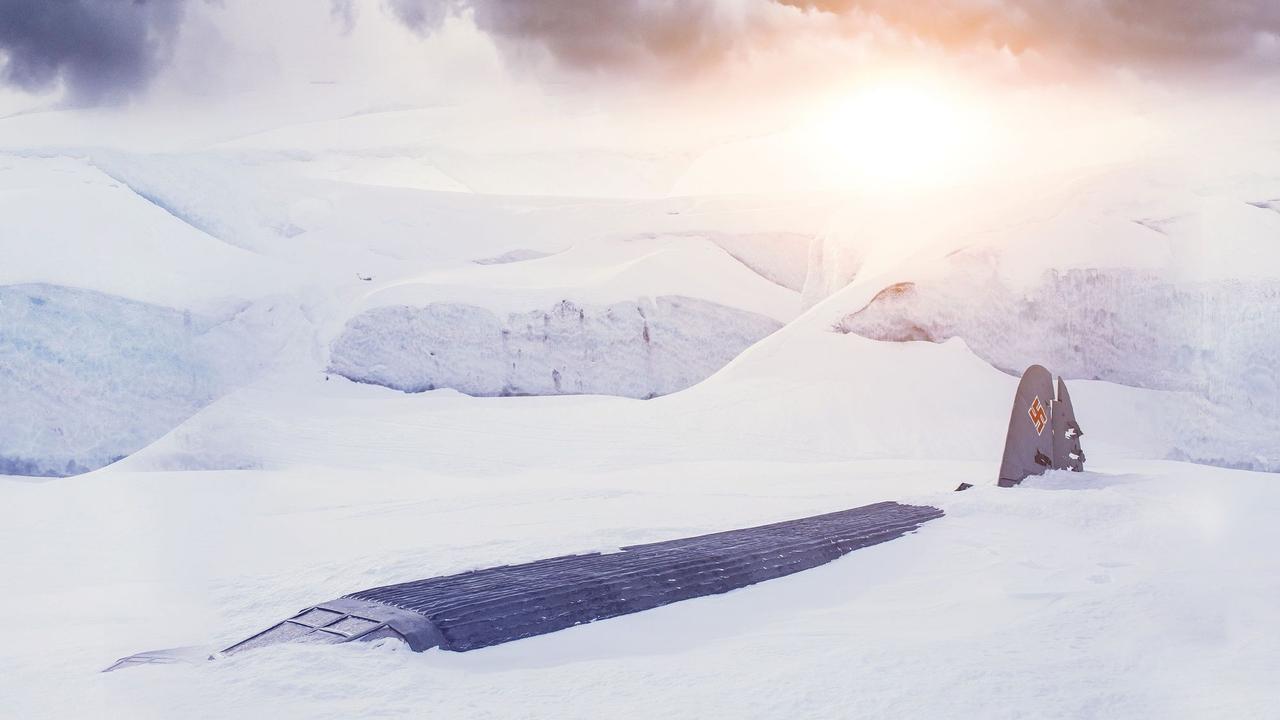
[[636, 349]]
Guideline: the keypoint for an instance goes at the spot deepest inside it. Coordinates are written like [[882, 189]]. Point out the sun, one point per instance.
[[896, 134]]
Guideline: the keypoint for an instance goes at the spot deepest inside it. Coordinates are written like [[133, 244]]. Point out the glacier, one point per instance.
[[87, 378], [637, 349]]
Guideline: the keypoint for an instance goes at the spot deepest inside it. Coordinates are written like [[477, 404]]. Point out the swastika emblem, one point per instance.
[[1038, 416]]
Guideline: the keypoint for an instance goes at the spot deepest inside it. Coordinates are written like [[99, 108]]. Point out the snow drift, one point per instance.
[[638, 349]]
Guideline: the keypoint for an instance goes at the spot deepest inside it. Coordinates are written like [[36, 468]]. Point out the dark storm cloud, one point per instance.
[[592, 34], [1130, 32], [101, 50]]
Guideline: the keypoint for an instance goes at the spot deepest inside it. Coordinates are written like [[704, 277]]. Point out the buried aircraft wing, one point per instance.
[[495, 605]]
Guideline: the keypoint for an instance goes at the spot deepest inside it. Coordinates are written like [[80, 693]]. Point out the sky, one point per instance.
[[890, 85], [109, 51]]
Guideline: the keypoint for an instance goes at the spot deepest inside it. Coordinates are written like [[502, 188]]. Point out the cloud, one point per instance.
[[102, 51], [108, 51], [607, 35], [619, 36], [1146, 33], [344, 11]]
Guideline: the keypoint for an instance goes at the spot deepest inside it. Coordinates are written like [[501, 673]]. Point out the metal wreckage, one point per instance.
[[494, 605], [1028, 449]]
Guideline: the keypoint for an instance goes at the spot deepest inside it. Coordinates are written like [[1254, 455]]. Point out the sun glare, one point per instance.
[[897, 134]]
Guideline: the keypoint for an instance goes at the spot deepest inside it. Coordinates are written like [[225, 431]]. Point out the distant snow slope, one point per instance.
[[68, 223], [1158, 276], [1123, 276], [450, 148], [811, 389], [171, 279], [802, 392], [598, 271]]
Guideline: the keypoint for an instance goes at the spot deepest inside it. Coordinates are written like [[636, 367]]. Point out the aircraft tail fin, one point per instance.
[[1067, 453], [1043, 432]]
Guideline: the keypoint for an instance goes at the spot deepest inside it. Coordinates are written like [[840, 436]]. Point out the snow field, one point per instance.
[[1131, 591]]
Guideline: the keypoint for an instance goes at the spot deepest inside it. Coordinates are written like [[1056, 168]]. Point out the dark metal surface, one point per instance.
[[1043, 432], [344, 620], [495, 605], [1028, 446], [1067, 453]]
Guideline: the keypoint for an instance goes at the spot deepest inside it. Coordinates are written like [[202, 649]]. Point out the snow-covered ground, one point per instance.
[[1138, 589]]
